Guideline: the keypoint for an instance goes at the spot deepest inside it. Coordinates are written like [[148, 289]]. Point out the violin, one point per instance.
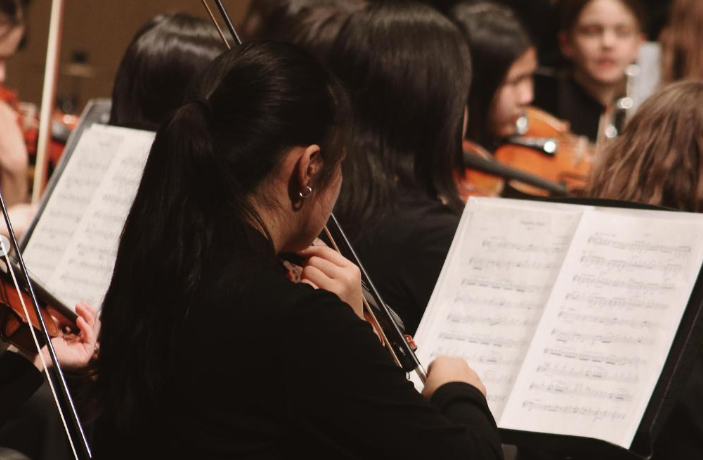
[[14, 326], [547, 148], [484, 176], [475, 182]]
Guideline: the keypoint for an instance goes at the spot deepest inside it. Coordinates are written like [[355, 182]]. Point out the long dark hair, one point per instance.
[[570, 10], [311, 24], [408, 72], [12, 12], [206, 166], [497, 39], [157, 67]]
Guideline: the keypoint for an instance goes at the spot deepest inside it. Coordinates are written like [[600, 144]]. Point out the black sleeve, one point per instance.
[[345, 391], [19, 379]]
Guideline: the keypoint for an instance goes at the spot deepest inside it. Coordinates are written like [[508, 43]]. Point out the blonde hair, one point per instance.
[[681, 41], [658, 159]]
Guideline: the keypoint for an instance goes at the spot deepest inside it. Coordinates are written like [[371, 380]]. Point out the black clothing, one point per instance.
[[564, 98], [273, 369], [405, 255], [19, 379], [682, 434]]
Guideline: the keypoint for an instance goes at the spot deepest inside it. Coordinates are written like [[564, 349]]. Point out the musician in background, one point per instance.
[[159, 63], [13, 151], [311, 24], [399, 201], [658, 160], [600, 39], [504, 61]]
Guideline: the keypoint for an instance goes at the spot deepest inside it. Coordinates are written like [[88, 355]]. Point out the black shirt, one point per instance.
[[564, 98], [405, 256], [273, 369]]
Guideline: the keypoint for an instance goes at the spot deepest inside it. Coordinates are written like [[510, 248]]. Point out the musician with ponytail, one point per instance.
[[207, 349]]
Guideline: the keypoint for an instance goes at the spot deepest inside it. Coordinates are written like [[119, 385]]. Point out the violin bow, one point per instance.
[[51, 71], [394, 340], [55, 377]]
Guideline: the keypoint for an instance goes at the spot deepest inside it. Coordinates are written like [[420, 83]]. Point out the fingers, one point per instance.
[[325, 253], [85, 311]]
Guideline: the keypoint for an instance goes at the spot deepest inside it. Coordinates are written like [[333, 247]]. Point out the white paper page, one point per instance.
[[81, 264], [495, 282], [608, 326], [64, 209]]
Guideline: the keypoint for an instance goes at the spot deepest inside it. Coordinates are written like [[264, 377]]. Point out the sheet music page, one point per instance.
[[73, 249], [495, 282], [64, 209], [608, 326]]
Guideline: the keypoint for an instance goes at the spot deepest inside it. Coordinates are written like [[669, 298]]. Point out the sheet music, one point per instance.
[[73, 247], [608, 326], [494, 284]]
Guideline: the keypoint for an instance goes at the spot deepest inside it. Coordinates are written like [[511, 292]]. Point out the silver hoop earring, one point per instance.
[[308, 192]]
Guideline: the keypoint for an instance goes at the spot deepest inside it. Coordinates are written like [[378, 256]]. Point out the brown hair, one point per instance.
[[658, 158], [681, 41], [11, 13], [570, 10]]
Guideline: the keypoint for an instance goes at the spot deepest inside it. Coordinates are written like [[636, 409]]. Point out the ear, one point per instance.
[[308, 167], [565, 45]]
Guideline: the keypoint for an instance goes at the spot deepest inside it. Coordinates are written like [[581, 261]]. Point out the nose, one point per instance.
[[2, 72], [608, 38], [527, 93]]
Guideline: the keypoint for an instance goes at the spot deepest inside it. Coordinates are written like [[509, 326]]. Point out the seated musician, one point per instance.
[[399, 202], [503, 61], [600, 39], [207, 349]]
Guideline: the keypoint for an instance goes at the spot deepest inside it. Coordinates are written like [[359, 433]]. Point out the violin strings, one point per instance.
[[377, 325], [5, 252]]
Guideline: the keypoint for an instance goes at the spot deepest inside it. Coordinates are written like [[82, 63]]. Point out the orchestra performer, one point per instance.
[[600, 39], [207, 349]]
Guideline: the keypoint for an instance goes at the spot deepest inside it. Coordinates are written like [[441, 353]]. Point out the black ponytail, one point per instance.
[[208, 159]]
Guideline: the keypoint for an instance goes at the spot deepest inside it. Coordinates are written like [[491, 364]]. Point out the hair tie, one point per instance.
[[204, 104]]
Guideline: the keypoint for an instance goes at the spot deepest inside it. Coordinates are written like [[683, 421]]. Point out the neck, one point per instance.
[[605, 93]]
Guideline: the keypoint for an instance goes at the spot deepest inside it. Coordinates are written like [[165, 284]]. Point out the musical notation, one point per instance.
[[570, 317], [73, 249], [581, 410], [599, 373], [635, 264], [598, 301], [630, 284], [581, 391], [572, 337], [564, 310], [637, 247]]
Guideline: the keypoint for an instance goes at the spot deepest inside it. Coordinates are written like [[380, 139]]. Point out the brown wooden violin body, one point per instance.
[[477, 183], [548, 149], [14, 327]]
